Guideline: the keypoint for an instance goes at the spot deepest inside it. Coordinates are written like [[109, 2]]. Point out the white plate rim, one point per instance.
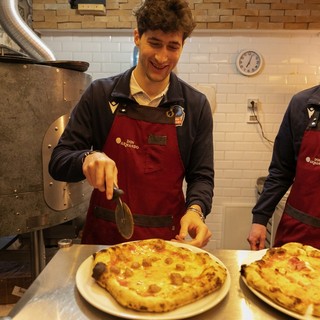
[[93, 294], [257, 256]]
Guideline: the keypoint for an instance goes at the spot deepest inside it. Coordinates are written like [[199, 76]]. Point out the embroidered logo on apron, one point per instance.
[[127, 144], [315, 161]]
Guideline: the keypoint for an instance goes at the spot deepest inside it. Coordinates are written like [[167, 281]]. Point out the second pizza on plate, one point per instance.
[[289, 276]]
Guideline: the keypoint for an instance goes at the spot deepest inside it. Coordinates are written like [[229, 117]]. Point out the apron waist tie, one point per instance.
[[302, 217], [140, 220]]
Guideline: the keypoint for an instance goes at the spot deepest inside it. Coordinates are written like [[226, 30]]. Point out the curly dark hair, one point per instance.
[[165, 15]]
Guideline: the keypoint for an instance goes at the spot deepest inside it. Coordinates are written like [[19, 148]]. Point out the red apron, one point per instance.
[[300, 221], [144, 145]]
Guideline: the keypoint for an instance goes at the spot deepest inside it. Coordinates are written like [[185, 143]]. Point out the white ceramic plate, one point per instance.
[[102, 300], [257, 256]]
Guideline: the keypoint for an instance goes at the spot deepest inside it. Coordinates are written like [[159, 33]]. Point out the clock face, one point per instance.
[[249, 62]]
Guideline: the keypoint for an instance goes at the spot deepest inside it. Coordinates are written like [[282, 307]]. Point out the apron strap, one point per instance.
[[302, 217], [140, 220]]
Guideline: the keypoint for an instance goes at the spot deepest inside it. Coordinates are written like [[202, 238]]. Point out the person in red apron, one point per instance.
[[296, 164], [141, 149], [300, 221], [146, 131]]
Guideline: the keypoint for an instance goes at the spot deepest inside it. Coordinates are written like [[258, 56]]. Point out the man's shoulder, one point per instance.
[[312, 94]]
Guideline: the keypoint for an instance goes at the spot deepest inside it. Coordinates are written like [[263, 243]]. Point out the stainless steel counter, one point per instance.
[[54, 295]]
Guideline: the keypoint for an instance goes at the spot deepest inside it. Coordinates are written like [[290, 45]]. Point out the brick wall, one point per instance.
[[209, 14]]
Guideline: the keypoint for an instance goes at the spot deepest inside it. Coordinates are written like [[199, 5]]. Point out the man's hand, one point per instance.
[[101, 172], [257, 236], [192, 224]]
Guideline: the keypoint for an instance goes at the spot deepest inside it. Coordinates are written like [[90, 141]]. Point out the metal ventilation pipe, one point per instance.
[[21, 33]]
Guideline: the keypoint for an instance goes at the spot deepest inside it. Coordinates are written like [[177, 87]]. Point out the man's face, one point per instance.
[[159, 53]]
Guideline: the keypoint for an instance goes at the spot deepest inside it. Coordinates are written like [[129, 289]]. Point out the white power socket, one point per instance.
[[252, 107]]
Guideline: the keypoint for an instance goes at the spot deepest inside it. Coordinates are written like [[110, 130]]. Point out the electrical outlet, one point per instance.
[[252, 104], [252, 108]]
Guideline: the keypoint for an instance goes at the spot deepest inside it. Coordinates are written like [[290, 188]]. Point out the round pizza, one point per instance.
[[155, 275], [289, 276]]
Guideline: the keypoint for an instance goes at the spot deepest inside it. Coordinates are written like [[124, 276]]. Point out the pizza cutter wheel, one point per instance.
[[123, 215]]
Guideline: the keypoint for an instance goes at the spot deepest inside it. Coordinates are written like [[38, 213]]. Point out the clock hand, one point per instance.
[[249, 62]]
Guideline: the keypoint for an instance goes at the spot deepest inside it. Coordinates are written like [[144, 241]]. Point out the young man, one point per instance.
[[148, 131], [295, 163]]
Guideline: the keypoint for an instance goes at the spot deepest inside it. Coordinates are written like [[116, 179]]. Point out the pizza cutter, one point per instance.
[[123, 215]]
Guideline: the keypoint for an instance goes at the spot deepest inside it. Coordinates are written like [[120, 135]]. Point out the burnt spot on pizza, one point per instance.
[[139, 308], [203, 257], [274, 252], [168, 260], [281, 271], [98, 270], [195, 295], [218, 283], [211, 277], [111, 249], [243, 270], [296, 301], [95, 254], [261, 263]]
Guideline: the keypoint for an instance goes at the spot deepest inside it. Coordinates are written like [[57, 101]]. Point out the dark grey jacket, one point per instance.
[[285, 153]]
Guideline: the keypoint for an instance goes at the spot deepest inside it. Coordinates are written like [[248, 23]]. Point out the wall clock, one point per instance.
[[249, 62]]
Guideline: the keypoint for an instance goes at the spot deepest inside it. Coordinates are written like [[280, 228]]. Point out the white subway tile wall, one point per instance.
[[291, 63]]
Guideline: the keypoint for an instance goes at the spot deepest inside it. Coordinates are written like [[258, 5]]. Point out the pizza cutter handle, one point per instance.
[[117, 193]]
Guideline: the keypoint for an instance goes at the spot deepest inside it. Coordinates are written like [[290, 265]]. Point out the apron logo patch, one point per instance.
[[314, 161], [127, 144], [157, 140], [113, 106], [179, 114]]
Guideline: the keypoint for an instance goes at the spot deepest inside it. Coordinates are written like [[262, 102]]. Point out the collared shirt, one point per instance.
[[142, 97]]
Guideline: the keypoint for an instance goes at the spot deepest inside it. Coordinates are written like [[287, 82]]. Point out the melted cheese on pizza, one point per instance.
[[161, 275], [289, 276]]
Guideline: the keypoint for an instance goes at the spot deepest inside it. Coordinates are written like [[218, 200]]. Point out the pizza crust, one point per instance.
[[289, 276], [156, 276]]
